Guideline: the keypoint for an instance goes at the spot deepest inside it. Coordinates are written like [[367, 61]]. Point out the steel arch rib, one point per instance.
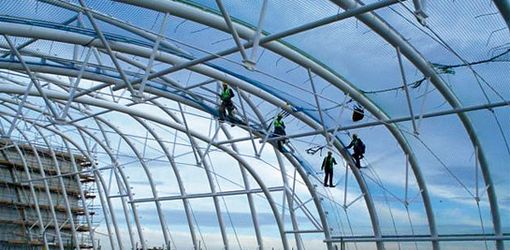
[[56, 131], [111, 155], [257, 92], [32, 190], [187, 209], [45, 183], [243, 172], [504, 8], [392, 37], [146, 126], [50, 200], [274, 101], [340, 83], [181, 128], [161, 217], [97, 184], [62, 186], [214, 21], [38, 158], [99, 180]]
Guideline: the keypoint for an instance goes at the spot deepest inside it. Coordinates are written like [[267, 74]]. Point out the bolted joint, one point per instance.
[[249, 64]]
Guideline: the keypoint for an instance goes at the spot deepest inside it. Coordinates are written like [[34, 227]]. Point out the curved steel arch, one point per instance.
[[215, 21], [427, 211], [278, 103], [344, 87], [46, 186], [393, 37], [182, 129], [99, 183]]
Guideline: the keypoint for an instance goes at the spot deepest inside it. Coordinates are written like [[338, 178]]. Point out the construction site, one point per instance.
[[255, 124], [43, 196]]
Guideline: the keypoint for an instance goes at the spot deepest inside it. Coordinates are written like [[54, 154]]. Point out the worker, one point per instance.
[[226, 96], [359, 149], [279, 130], [327, 166]]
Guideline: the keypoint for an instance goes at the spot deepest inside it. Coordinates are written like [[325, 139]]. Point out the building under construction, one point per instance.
[[255, 124], [40, 189]]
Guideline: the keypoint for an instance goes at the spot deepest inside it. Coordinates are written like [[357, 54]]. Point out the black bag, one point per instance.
[[357, 114]]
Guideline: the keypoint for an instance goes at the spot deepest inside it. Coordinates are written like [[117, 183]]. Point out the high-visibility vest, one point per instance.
[[225, 94], [330, 161], [278, 123]]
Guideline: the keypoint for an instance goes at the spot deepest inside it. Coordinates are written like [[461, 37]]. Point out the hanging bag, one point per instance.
[[357, 113]]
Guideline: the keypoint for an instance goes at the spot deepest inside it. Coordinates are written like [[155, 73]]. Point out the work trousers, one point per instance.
[[224, 107], [357, 159], [328, 176]]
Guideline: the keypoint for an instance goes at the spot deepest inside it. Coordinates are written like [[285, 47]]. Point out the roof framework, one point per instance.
[[116, 68]]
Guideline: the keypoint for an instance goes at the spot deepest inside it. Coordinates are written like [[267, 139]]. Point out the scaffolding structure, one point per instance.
[[38, 195]]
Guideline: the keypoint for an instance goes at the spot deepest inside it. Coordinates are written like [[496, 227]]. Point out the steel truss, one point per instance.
[[117, 51]]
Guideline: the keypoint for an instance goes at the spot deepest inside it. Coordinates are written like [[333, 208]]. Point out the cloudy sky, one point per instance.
[[455, 31]]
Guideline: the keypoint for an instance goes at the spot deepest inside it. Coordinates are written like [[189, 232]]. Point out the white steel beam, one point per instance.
[[155, 48], [108, 48], [74, 87], [62, 188], [161, 5], [163, 121], [389, 34], [318, 104], [34, 81], [406, 89], [233, 31], [206, 195], [256, 37]]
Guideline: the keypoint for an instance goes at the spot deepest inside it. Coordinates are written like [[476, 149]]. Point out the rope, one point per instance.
[[411, 224], [387, 203], [478, 77], [466, 64], [350, 227], [443, 165], [225, 204], [481, 223]]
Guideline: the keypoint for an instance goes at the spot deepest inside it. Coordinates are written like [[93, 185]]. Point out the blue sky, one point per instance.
[[350, 49]]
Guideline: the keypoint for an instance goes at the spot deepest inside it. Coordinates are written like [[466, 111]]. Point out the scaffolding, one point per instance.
[[25, 174]]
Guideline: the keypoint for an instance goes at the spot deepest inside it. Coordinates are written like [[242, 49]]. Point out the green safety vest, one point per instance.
[[225, 94], [278, 123], [329, 163]]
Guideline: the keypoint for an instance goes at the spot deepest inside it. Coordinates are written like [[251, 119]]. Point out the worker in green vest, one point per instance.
[[327, 166], [279, 130], [226, 96]]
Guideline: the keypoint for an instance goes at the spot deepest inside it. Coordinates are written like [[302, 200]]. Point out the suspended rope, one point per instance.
[[413, 85], [350, 227], [411, 224], [225, 204], [489, 60], [442, 69], [386, 200]]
